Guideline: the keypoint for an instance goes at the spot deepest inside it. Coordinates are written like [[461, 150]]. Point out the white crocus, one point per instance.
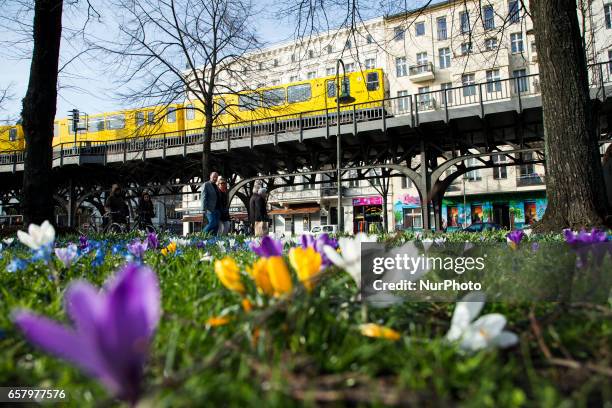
[[180, 242], [38, 235], [221, 245], [8, 241], [349, 257], [231, 242], [485, 332]]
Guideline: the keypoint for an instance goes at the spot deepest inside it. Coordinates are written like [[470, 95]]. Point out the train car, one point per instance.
[[11, 138]]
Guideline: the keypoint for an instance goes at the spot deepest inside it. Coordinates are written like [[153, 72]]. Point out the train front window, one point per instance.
[[299, 93], [190, 113], [12, 134], [171, 115], [372, 82], [95, 125], [55, 129], [140, 119], [248, 101], [150, 117], [274, 97], [114, 122]]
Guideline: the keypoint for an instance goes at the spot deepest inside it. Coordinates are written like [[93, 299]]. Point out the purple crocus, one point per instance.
[[137, 248], [152, 240], [268, 247], [83, 242], [515, 237], [112, 329], [318, 244], [583, 237], [67, 255]]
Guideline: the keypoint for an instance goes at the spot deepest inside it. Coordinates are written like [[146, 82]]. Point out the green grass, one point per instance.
[[309, 350]]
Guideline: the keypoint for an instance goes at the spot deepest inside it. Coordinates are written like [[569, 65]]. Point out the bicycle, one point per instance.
[[114, 227], [141, 225]]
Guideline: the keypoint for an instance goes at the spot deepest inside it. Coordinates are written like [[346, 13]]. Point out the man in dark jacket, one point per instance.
[[210, 204], [261, 213], [254, 197]]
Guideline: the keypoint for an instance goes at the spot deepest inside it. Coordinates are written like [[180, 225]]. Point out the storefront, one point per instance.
[[511, 211], [368, 214], [295, 219]]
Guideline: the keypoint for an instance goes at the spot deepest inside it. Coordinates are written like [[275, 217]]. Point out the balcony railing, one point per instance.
[[478, 95], [529, 180], [420, 68]]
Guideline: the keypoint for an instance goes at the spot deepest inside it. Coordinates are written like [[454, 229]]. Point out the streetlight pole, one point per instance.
[[464, 203], [338, 146]]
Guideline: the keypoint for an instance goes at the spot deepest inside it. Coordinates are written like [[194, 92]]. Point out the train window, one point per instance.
[[150, 117], [55, 129], [12, 134], [372, 81], [95, 125], [248, 101], [115, 121], [171, 115], [331, 87], [274, 97], [189, 112], [299, 93], [140, 119], [220, 106]]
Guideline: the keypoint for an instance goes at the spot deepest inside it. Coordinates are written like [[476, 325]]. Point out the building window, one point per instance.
[[473, 175], [610, 61], [493, 81], [608, 14], [275, 82], [421, 60], [370, 63], [293, 78], [353, 178], [489, 17], [520, 81], [400, 67], [310, 54], [292, 57], [464, 18], [490, 44], [398, 33], [406, 182], [403, 101], [527, 170], [516, 43], [311, 75], [330, 71], [348, 45], [514, 13], [446, 88], [350, 67], [445, 57], [330, 49], [419, 29], [424, 98], [412, 218], [466, 48], [276, 62], [499, 173], [369, 39], [260, 66], [469, 89], [441, 22]]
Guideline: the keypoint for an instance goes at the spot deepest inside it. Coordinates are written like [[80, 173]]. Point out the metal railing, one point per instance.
[[443, 100], [420, 68]]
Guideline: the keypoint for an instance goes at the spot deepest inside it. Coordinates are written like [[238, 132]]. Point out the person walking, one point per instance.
[[252, 200], [224, 217], [115, 206], [261, 213], [146, 211], [210, 203]]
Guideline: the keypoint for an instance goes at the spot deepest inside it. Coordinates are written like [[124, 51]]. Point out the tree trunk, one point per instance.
[[574, 177], [38, 112], [206, 147]]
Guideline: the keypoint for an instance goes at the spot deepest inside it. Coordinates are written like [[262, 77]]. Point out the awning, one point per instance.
[[301, 210], [239, 216]]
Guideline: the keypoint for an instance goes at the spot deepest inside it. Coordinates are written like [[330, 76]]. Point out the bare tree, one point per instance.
[[173, 49]]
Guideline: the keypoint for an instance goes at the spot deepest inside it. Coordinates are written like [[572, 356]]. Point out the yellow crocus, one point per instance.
[[170, 249], [247, 306], [375, 330], [215, 321], [260, 274], [307, 264], [229, 274], [280, 278]]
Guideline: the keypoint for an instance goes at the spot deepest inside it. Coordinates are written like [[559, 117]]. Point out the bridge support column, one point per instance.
[[71, 204], [424, 186]]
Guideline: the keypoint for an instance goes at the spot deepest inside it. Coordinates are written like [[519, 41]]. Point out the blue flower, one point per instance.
[[17, 265], [98, 258]]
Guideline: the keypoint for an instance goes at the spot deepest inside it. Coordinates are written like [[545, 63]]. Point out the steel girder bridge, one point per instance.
[[432, 138]]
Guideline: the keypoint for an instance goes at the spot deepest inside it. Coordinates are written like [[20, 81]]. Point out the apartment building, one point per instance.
[[436, 53]]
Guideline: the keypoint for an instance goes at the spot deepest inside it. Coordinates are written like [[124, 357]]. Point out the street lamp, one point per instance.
[[342, 96]]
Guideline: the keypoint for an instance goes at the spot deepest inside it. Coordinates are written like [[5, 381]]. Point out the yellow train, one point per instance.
[[302, 97]]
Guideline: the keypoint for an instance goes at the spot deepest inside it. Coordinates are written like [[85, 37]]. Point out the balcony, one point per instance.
[[529, 180], [421, 72]]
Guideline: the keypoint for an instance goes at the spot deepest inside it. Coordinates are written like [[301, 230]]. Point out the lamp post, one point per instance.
[[342, 96]]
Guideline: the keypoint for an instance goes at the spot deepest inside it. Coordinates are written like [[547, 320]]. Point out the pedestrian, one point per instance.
[[210, 204], [261, 213], [607, 172], [146, 212], [224, 218], [252, 200]]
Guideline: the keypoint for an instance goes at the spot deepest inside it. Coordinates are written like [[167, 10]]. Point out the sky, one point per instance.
[[84, 84]]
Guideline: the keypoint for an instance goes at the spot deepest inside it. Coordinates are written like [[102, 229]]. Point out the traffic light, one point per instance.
[[75, 117]]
